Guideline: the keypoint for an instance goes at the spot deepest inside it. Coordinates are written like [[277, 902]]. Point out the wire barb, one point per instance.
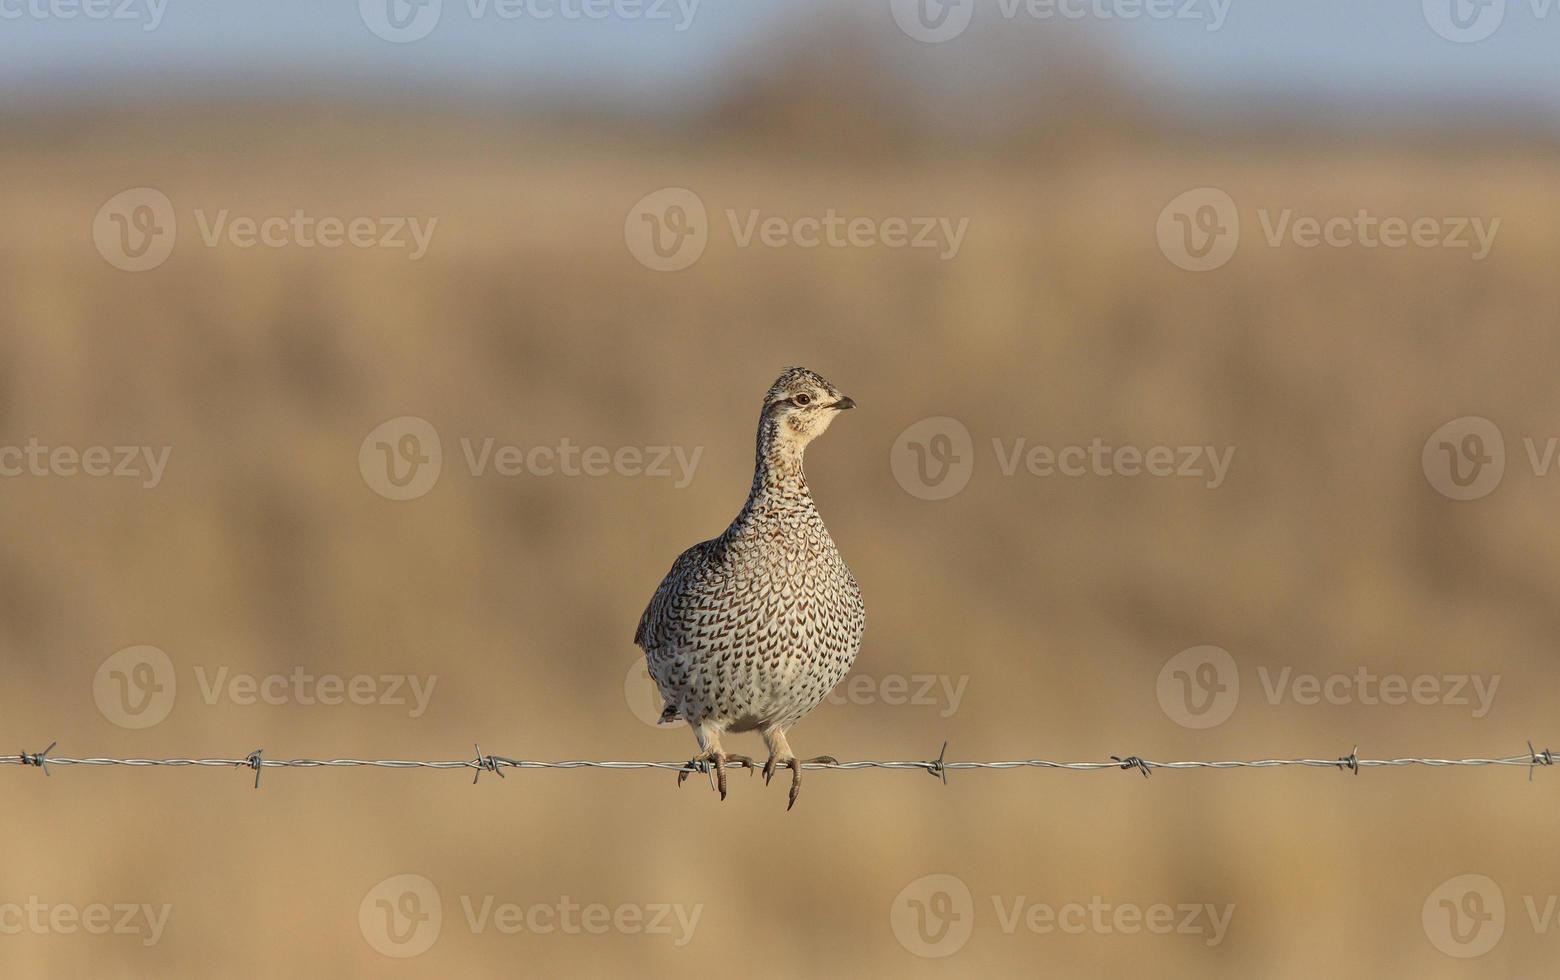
[[1544, 758], [1351, 761], [939, 766], [485, 763], [1133, 762], [39, 759], [254, 760]]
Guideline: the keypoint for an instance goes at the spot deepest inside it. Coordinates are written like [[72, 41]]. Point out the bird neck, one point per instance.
[[779, 480]]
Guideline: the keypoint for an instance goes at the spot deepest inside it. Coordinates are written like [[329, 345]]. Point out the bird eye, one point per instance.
[[803, 399]]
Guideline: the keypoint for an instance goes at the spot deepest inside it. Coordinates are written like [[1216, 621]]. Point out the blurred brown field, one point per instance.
[[1055, 601]]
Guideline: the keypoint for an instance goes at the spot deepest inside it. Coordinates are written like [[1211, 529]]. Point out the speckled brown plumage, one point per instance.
[[751, 630]]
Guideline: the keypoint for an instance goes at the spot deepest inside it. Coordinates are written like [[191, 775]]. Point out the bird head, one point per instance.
[[800, 405]]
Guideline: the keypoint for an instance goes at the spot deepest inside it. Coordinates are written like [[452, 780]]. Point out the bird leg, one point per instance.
[[780, 756], [779, 751]]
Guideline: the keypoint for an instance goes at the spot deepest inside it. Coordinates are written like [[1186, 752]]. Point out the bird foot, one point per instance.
[[714, 761], [795, 765]]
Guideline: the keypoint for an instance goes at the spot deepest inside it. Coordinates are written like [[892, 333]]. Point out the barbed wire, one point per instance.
[[939, 766]]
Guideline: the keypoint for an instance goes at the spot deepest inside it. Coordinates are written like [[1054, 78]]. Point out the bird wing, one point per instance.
[[686, 574]]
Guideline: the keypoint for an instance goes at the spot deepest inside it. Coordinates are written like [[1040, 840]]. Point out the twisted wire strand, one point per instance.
[[937, 767]]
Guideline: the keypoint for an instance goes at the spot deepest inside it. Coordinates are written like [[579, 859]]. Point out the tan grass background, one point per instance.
[[1058, 599]]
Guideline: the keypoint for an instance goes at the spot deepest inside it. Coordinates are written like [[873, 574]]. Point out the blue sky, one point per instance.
[[1330, 51]]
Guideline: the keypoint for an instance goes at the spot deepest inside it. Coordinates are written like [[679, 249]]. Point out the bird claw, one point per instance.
[[717, 761], [795, 765]]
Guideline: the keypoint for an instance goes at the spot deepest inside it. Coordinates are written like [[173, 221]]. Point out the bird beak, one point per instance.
[[845, 402]]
